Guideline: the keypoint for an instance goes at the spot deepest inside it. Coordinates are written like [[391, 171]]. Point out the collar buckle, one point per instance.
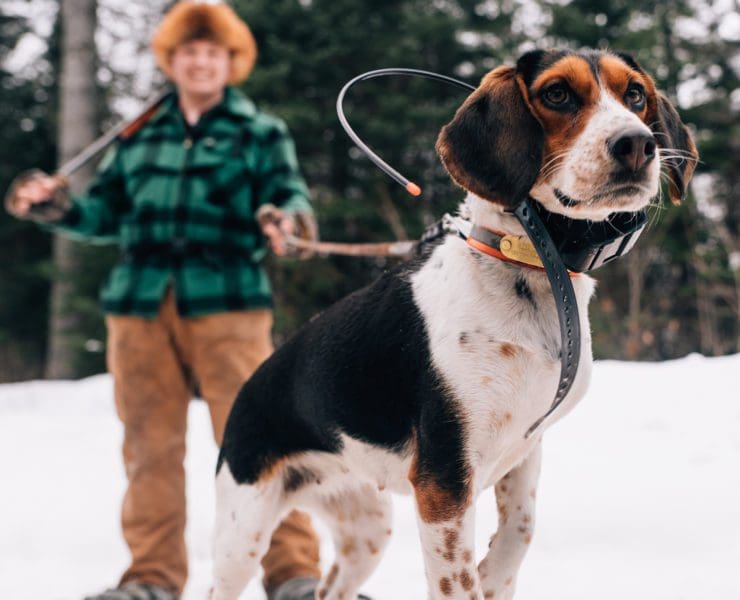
[[521, 250]]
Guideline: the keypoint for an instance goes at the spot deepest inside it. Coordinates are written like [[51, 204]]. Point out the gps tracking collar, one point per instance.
[[562, 243], [583, 245], [586, 245]]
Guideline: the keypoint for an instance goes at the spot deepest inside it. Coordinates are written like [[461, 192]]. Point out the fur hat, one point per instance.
[[194, 20]]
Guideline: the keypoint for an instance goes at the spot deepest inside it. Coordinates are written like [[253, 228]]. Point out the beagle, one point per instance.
[[426, 381]]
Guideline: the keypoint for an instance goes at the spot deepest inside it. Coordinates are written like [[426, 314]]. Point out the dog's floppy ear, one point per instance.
[[679, 150], [493, 146]]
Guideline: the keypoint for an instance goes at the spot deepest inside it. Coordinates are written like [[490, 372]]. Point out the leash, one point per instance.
[[396, 249], [447, 225]]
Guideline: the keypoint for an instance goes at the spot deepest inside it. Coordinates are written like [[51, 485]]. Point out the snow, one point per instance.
[[639, 494]]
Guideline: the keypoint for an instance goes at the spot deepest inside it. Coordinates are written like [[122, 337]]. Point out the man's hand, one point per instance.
[[276, 224], [36, 195]]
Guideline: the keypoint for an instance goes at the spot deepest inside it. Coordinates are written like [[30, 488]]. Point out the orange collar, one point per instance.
[[506, 247]]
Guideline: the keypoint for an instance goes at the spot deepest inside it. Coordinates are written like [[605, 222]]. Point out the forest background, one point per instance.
[[69, 70]]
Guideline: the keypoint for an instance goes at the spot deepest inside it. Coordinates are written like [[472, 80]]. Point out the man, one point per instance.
[[187, 197]]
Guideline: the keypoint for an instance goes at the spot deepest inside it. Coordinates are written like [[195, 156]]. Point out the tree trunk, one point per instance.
[[76, 129], [635, 282], [732, 248]]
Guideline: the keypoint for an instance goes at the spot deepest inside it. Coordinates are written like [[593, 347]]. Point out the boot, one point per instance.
[[299, 588], [134, 590]]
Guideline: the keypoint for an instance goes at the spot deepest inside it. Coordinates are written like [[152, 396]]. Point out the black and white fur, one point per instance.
[[422, 383]]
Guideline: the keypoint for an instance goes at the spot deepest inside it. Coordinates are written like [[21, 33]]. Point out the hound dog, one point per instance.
[[426, 381]]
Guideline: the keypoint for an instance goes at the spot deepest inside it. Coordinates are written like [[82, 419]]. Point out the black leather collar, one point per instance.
[[565, 302]]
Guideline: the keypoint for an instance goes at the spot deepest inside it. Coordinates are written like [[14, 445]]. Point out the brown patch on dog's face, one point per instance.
[[619, 77], [570, 76]]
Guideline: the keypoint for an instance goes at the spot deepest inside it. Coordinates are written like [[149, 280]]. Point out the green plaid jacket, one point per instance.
[[181, 201]]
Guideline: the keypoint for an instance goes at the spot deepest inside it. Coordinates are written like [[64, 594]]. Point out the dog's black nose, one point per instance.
[[633, 149]]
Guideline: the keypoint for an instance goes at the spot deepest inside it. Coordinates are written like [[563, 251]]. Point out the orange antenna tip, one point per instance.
[[413, 189]]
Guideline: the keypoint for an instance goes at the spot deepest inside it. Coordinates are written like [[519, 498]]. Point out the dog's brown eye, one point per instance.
[[556, 95], [635, 97]]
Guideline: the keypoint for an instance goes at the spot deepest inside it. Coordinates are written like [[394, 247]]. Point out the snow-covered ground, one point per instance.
[[639, 496]]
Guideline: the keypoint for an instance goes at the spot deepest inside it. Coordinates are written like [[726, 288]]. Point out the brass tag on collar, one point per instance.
[[521, 250]]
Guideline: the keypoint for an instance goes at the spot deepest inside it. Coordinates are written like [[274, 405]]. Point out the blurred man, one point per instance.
[[190, 198]]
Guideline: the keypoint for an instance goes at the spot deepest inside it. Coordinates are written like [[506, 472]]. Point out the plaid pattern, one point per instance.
[[180, 201]]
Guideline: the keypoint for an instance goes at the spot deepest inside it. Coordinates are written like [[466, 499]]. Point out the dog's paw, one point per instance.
[[497, 591], [494, 586]]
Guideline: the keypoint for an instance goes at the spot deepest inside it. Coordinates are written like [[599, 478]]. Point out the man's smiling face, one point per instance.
[[200, 67]]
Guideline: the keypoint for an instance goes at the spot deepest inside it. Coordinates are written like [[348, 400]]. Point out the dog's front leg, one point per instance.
[[449, 560], [446, 517], [515, 497]]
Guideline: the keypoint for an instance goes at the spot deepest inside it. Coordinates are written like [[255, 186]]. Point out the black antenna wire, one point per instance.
[[411, 187]]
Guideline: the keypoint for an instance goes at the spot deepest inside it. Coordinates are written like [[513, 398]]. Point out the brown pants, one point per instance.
[[151, 361]]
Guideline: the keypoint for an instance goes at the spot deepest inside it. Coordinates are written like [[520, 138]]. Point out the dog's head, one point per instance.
[[585, 133]]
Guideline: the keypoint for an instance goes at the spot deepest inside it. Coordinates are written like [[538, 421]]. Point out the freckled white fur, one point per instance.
[[500, 396], [449, 561], [515, 498], [357, 513], [583, 173], [239, 541]]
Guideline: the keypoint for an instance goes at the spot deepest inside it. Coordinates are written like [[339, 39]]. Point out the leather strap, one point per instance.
[[565, 303]]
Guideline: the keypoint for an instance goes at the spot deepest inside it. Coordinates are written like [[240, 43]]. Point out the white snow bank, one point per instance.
[[639, 495]]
